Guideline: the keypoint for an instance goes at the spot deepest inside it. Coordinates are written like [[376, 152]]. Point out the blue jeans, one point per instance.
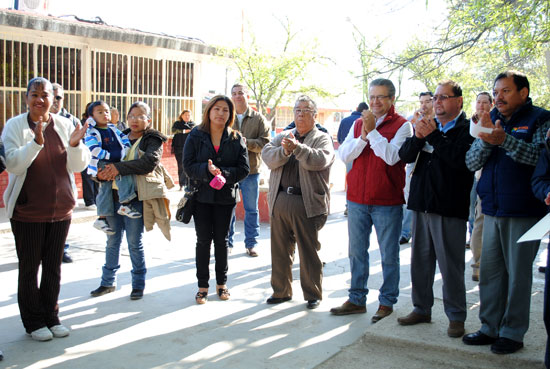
[[134, 234], [406, 227], [126, 192], [250, 190], [387, 223]]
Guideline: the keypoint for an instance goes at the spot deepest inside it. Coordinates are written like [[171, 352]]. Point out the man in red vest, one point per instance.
[[375, 197]]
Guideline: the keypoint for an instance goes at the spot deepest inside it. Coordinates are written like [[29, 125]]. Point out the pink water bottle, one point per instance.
[[217, 182]]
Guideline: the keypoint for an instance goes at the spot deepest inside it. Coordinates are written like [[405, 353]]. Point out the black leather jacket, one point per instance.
[[231, 158], [441, 182]]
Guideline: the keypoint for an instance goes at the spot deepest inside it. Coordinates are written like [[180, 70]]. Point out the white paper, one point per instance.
[[428, 148], [476, 129], [538, 231]]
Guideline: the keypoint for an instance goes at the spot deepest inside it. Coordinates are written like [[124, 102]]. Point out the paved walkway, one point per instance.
[[166, 329]]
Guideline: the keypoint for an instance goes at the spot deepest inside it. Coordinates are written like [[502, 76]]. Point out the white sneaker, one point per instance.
[[91, 207], [103, 226], [59, 331], [42, 334], [128, 211]]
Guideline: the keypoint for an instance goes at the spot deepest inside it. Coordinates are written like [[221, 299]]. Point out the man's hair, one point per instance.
[[384, 82], [457, 90], [520, 79], [427, 93], [485, 93], [362, 106], [245, 89], [57, 87], [305, 98]]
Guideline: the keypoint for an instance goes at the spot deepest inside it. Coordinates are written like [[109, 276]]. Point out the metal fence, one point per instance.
[[118, 79]]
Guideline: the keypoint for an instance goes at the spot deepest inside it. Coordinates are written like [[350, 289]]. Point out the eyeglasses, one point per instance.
[[138, 117], [443, 97], [378, 97], [304, 111], [58, 98]]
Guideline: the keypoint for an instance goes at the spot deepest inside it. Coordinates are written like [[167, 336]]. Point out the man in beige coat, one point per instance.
[[300, 161], [256, 132]]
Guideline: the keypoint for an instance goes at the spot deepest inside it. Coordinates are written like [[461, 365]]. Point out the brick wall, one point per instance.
[[168, 160]]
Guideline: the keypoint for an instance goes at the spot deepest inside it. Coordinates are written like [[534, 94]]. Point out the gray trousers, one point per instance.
[[290, 225], [441, 239], [506, 276], [475, 238]]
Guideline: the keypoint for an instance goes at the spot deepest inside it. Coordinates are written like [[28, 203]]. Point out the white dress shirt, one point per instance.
[[387, 151]]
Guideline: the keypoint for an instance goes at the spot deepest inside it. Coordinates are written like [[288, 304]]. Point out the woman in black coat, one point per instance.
[[214, 148], [181, 130]]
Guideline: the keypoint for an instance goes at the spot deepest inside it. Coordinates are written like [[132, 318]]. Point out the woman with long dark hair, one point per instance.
[[214, 149], [181, 129]]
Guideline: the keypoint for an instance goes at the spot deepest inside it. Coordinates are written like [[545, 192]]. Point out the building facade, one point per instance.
[[94, 61]]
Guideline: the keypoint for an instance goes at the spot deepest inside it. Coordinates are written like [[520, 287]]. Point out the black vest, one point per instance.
[[505, 185]]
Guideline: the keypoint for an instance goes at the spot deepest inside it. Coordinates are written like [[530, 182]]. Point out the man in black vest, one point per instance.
[[508, 156]]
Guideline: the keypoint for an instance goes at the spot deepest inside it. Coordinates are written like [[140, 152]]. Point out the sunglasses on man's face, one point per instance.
[[59, 98]]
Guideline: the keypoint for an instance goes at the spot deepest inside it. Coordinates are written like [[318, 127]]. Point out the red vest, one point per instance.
[[371, 181]]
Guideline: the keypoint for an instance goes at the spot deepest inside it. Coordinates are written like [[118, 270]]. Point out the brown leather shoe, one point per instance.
[[348, 308], [382, 312], [414, 318], [251, 252], [456, 329]]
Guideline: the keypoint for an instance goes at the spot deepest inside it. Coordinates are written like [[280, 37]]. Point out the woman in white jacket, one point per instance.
[[41, 149]]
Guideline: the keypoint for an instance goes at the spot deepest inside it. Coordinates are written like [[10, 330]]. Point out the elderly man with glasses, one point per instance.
[[300, 161], [439, 198], [375, 197]]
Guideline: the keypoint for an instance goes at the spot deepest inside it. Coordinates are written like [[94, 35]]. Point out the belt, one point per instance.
[[291, 190]]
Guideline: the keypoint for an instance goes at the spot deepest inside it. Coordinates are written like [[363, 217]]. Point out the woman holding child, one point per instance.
[[141, 159], [214, 150]]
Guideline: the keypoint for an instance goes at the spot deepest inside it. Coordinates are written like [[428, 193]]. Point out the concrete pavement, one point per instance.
[[166, 329]]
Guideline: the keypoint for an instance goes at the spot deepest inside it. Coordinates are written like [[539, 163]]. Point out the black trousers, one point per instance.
[[547, 308], [212, 223], [89, 188], [36, 244], [182, 177]]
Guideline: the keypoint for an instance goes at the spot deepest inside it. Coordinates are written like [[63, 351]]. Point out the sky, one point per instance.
[[219, 22]]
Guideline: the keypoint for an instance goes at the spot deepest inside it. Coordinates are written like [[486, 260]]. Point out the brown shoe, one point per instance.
[[382, 312], [456, 329], [251, 252], [348, 308], [414, 318]]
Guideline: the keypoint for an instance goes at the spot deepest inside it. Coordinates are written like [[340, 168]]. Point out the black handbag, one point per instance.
[[186, 206]]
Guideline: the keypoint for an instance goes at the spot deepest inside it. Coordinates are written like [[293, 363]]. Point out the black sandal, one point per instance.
[[223, 293], [201, 297]]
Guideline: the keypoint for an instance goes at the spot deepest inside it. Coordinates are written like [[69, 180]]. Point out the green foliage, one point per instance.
[[480, 39], [274, 76]]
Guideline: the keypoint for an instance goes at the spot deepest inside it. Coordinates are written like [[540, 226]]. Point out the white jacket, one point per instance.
[[21, 150]]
